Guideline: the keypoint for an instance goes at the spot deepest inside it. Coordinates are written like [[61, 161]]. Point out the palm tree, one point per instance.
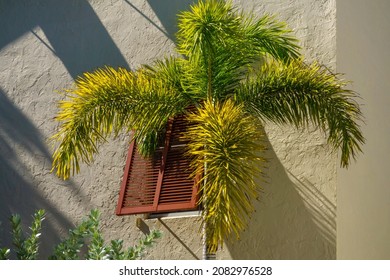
[[238, 71]]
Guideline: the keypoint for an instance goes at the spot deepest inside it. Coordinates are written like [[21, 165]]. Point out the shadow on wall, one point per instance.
[[167, 11], [293, 220], [78, 38], [181, 239], [185, 247], [74, 32], [18, 187]]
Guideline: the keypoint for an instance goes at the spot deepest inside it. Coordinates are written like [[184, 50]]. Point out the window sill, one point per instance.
[[174, 215]]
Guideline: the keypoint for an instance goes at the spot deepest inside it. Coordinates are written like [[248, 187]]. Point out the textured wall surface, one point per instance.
[[363, 192], [45, 45]]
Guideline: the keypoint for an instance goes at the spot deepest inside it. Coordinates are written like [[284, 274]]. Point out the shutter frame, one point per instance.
[[129, 192], [185, 191]]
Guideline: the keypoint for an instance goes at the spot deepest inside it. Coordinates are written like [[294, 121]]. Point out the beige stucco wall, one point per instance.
[[363, 43], [44, 45]]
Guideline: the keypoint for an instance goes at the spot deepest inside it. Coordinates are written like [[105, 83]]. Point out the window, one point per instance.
[[161, 183]]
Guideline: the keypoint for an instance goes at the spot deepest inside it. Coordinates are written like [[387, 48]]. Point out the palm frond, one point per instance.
[[225, 144], [218, 78], [221, 44], [207, 24], [106, 101], [205, 37], [173, 71], [268, 36], [297, 94]]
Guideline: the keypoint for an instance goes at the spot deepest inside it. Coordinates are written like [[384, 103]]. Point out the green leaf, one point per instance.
[[4, 253], [299, 94], [226, 148]]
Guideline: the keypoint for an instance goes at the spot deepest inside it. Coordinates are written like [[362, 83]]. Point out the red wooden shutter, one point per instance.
[[161, 183]]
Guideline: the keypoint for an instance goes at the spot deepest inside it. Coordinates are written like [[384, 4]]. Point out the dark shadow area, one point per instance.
[[22, 153], [16, 127], [292, 220], [148, 19], [74, 32], [166, 11], [18, 188]]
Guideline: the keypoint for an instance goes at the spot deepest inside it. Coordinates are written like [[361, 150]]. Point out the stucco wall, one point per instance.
[[43, 46], [363, 43]]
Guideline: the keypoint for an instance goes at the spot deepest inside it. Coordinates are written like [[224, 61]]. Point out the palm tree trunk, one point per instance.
[[207, 255], [204, 241]]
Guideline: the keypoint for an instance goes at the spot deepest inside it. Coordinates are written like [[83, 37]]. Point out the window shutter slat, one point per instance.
[[179, 190], [138, 190], [162, 183]]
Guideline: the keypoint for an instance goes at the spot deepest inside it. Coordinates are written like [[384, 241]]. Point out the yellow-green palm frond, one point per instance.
[[297, 93], [216, 23], [268, 36], [225, 144], [207, 24], [106, 101], [171, 70], [222, 44], [205, 37], [217, 79]]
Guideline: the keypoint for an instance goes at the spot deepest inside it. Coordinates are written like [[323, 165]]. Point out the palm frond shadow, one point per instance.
[[292, 220], [166, 12], [323, 210]]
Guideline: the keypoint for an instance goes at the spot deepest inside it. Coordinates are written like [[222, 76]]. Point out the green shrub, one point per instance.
[[83, 242]]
